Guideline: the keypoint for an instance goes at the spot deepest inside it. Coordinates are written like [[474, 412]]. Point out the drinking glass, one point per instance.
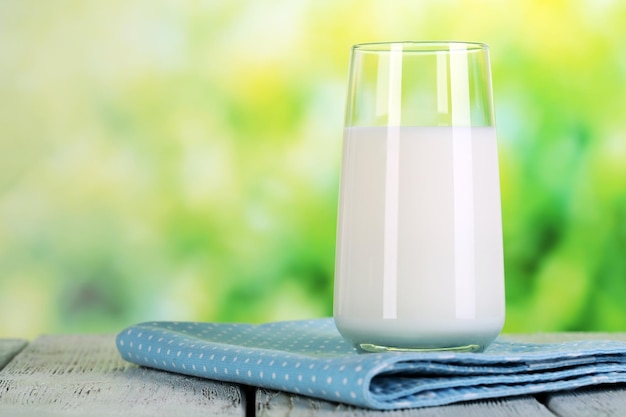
[[419, 260]]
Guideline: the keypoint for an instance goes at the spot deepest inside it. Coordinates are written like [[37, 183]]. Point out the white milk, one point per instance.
[[419, 239]]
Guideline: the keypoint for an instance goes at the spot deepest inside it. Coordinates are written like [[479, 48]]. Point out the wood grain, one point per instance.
[[9, 348], [85, 376], [280, 404], [594, 402]]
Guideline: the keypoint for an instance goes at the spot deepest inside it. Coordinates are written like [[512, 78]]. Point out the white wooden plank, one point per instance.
[[85, 376], [280, 404], [597, 402], [9, 348]]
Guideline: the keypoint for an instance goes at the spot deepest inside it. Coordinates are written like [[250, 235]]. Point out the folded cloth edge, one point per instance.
[[142, 351]]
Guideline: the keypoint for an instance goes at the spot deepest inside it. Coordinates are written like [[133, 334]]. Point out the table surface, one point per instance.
[[83, 375]]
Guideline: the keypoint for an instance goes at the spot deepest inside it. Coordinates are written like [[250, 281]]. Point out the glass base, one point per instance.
[[368, 347]]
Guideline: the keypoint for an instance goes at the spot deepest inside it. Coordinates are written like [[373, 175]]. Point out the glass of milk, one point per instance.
[[419, 261]]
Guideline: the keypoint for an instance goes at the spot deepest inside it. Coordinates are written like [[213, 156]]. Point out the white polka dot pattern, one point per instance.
[[311, 358]]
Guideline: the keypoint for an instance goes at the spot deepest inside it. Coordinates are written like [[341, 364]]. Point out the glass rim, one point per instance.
[[419, 46]]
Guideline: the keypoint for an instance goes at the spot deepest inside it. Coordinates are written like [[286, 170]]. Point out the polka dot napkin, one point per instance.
[[311, 358]]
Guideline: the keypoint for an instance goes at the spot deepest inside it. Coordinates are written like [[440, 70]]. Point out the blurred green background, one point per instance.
[[180, 160]]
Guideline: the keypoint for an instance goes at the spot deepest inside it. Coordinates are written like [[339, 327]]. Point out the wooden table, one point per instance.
[[85, 376]]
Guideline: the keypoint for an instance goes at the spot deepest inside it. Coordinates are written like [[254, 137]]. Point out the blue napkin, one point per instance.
[[311, 358]]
